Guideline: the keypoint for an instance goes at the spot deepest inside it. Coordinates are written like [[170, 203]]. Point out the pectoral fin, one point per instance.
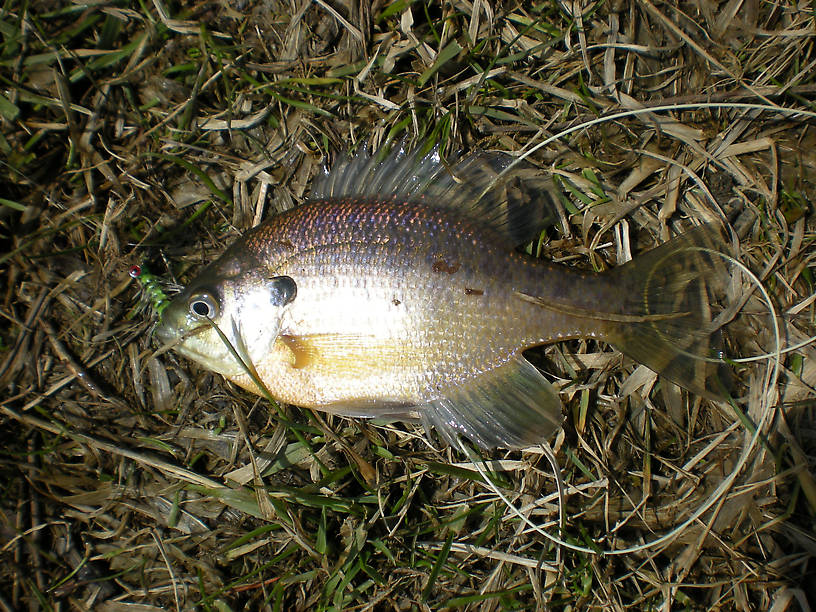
[[303, 353], [512, 406], [349, 354]]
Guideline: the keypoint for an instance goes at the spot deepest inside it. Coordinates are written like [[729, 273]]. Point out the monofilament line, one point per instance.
[[767, 411]]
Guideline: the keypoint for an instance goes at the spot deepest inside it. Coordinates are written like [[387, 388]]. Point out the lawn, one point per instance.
[[155, 134]]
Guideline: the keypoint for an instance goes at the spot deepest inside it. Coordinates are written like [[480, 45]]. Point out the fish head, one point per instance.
[[232, 310]]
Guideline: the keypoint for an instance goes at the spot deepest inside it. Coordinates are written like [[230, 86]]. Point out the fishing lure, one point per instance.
[[151, 287]]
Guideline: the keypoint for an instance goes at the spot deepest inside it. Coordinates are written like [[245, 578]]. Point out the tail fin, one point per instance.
[[676, 299]]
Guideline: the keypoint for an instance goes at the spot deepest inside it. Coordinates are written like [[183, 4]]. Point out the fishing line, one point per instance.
[[478, 462], [774, 359], [766, 412], [644, 111], [562, 495], [784, 351], [754, 279]]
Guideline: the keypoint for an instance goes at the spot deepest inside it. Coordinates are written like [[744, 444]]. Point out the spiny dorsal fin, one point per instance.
[[516, 205]]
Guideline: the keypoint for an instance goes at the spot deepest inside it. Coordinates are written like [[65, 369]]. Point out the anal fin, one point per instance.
[[511, 406]]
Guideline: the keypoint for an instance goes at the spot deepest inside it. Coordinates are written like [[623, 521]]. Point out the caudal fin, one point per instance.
[[677, 297]]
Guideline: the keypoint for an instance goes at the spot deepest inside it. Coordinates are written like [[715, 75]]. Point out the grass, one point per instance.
[[153, 134]]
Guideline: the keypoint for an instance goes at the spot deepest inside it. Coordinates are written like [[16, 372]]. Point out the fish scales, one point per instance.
[[408, 304], [416, 300]]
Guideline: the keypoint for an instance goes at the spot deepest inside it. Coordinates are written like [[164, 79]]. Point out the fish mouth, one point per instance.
[[164, 333], [171, 337]]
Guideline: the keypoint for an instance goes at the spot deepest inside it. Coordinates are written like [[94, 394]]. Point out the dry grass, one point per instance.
[[145, 133]]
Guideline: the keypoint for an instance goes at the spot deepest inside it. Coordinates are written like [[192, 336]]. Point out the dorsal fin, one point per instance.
[[517, 205]]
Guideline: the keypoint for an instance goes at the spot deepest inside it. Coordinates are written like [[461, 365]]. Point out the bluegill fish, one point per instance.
[[395, 291]]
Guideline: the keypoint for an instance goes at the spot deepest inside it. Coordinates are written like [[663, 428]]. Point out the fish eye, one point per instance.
[[203, 305], [283, 290]]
